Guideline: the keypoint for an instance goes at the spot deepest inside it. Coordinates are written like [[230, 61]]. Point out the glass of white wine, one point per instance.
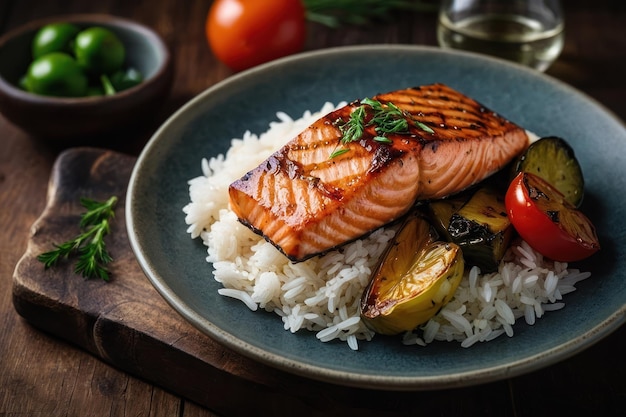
[[529, 32]]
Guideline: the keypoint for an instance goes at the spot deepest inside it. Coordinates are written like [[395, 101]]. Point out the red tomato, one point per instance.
[[545, 220], [245, 33]]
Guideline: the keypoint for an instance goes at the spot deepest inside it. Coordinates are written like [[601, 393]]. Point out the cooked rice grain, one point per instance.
[[322, 294]]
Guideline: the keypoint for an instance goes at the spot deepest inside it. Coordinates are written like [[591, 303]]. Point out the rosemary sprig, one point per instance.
[[89, 244], [335, 13], [387, 118]]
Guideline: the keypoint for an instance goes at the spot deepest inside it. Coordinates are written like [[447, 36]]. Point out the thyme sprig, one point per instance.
[[386, 118], [89, 244]]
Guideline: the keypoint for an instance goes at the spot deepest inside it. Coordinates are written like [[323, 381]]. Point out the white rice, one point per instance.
[[322, 294]]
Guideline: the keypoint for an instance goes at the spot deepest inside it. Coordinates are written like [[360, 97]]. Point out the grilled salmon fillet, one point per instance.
[[306, 198]]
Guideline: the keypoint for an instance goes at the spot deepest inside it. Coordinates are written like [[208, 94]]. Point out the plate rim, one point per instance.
[[381, 382]]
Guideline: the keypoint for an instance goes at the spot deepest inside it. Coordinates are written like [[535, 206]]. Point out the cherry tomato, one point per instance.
[[245, 33], [547, 222]]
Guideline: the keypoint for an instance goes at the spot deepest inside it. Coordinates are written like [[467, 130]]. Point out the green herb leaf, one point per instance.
[[96, 211], [382, 139], [423, 127], [386, 118], [89, 244], [353, 129], [375, 105], [338, 152]]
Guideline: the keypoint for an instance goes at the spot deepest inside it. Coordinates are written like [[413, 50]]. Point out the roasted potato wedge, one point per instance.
[[415, 278]]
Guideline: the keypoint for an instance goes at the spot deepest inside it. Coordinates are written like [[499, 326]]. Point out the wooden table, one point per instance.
[[41, 374]]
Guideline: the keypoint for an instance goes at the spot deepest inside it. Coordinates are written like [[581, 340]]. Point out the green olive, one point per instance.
[[56, 74], [55, 37], [99, 51], [125, 79]]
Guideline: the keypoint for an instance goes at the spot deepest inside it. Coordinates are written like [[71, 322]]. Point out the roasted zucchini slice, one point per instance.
[[440, 212], [478, 224], [553, 159], [414, 279], [482, 229]]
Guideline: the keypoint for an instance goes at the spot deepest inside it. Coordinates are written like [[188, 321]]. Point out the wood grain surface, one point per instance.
[[126, 323], [75, 368]]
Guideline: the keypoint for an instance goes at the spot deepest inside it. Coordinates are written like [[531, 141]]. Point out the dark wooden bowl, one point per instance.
[[79, 119]]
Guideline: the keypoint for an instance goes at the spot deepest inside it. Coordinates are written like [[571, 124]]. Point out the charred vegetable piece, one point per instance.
[[415, 278], [553, 159], [440, 212], [480, 227]]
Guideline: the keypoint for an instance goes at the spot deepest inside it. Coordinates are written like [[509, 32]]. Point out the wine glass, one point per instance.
[[529, 32]]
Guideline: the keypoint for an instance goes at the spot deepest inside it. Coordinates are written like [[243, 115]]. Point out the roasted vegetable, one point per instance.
[[553, 159], [479, 225], [441, 211], [547, 222], [415, 278]]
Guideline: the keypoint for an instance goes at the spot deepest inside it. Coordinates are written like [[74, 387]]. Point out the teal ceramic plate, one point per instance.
[[176, 265]]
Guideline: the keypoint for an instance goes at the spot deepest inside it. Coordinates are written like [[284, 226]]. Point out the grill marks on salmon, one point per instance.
[[306, 203]]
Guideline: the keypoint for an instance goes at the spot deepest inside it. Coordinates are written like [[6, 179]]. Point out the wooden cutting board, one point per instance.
[[126, 322]]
